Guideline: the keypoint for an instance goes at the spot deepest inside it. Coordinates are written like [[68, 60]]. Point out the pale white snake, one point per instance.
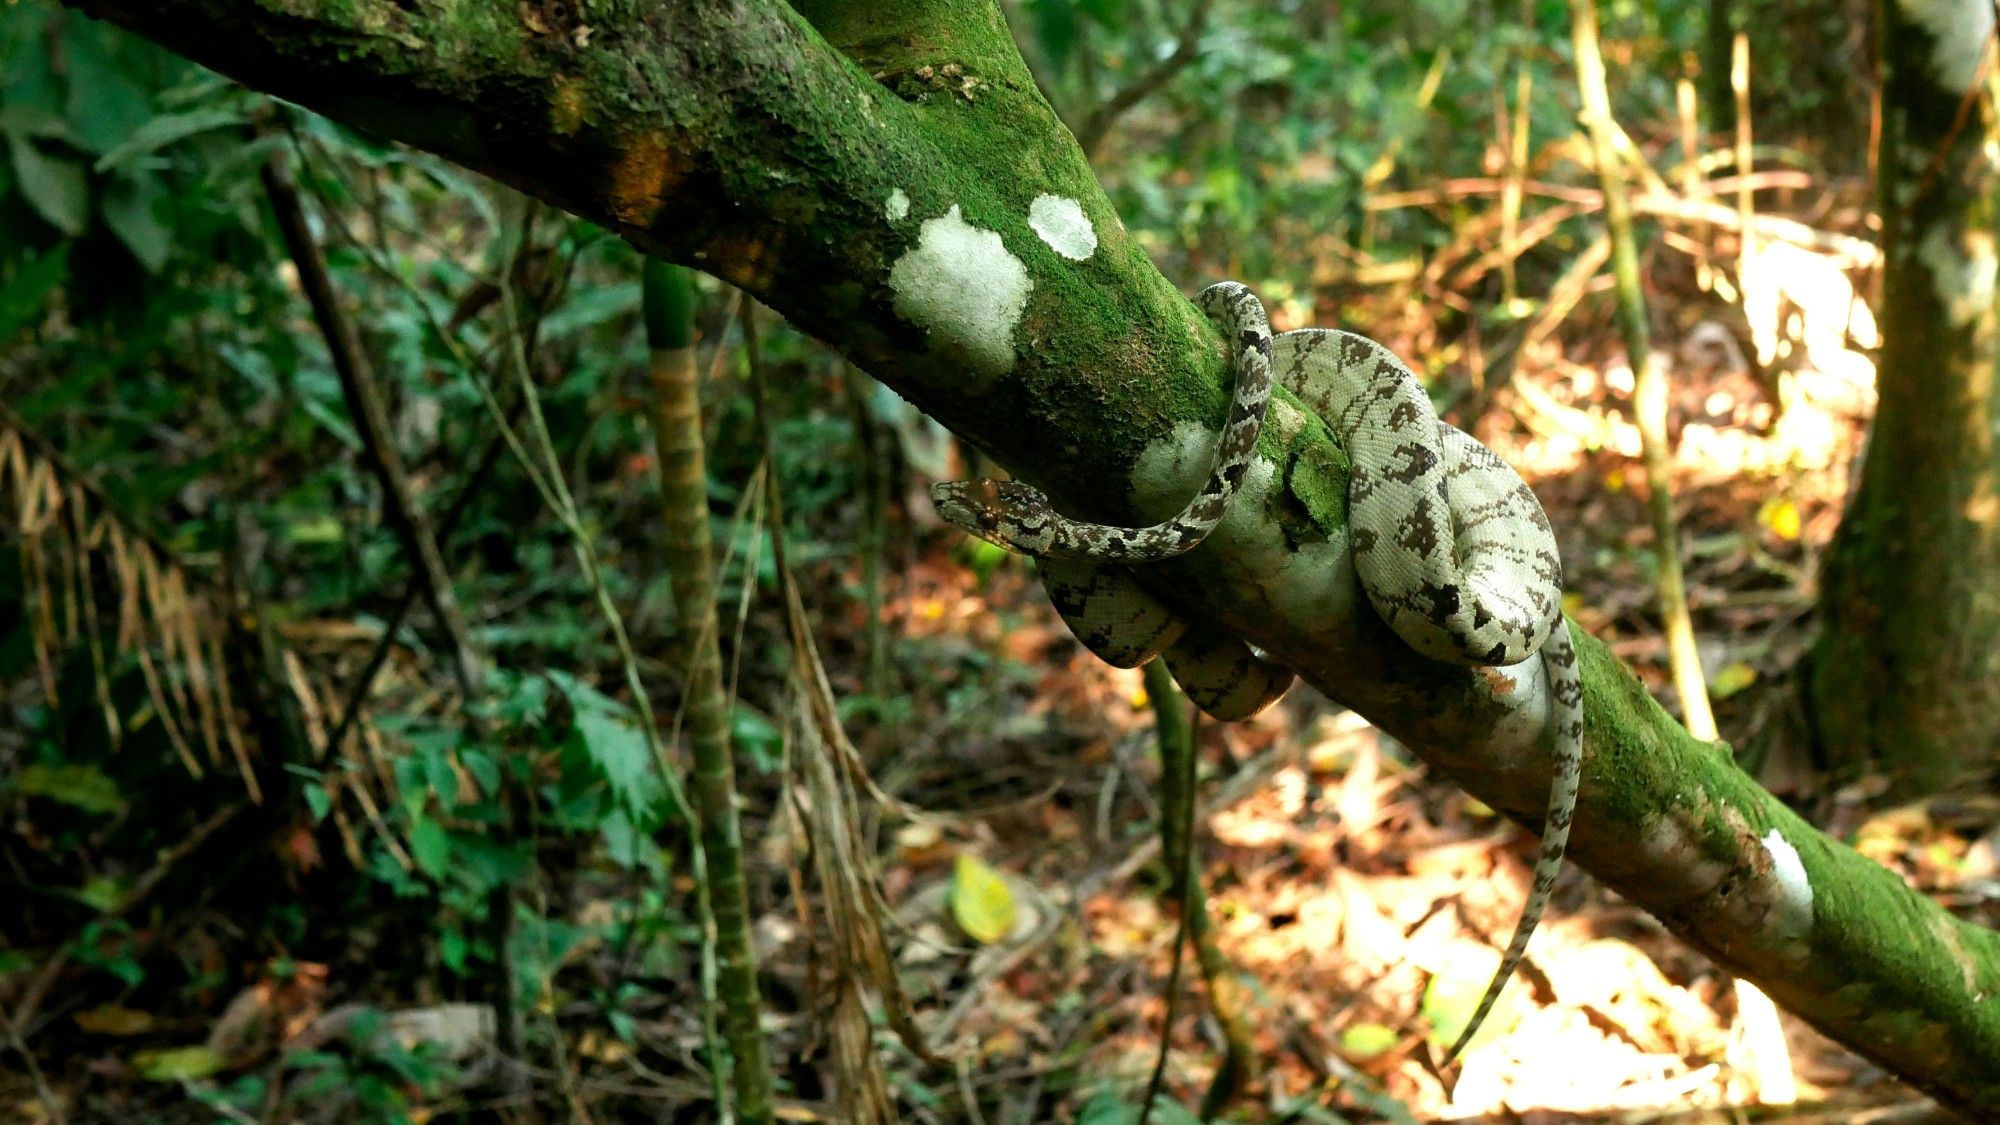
[[1451, 546]]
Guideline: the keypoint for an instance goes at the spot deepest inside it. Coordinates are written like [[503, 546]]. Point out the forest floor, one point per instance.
[[1343, 879]]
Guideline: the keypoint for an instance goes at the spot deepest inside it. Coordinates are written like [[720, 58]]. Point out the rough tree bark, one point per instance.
[[887, 176], [1906, 675]]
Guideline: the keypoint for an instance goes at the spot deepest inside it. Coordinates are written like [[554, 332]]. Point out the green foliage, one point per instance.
[[1110, 1107]]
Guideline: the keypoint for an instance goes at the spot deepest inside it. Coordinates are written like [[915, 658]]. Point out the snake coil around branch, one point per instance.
[[1451, 547]]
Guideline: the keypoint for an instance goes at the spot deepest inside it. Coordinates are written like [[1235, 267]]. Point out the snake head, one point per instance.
[[1003, 512]]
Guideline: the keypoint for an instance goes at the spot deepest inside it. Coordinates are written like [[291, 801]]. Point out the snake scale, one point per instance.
[[1452, 549]]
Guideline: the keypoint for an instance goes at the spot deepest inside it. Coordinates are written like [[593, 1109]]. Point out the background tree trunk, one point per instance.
[[1906, 676]]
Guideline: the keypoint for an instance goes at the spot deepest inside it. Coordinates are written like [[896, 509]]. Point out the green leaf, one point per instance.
[[1364, 1041], [319, 801], [453, 949], [106, 103], [440, 778], [130, 209], [486, 862], [619, 752], [319, 529], [483, 767], [22, 298], [756, 736], [178, 1064], [430, 846], [103, 893], [981, 900], [54, 186], [80, 786], [165, 130], [1732, 678], [1452, 997], [1109, 1107], [613, 746]]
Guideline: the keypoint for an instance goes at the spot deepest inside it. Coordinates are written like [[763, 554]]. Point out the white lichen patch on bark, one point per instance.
[[961, 284], [1962, 271], [1796, 913], [898, 207], [1960, 30], [1059, 221]]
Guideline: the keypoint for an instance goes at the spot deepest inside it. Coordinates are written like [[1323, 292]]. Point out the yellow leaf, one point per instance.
[[980, 900], [1733, 677], [1782, 517], [1364, 1041], [178, 1064], [1451, 997], [114, 1020], [1572, 604]]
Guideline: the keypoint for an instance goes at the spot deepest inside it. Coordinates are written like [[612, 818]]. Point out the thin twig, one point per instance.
[[371, 421], [1185, 879]]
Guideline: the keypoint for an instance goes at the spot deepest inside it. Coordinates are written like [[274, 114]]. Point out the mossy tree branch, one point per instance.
[[888, 178]]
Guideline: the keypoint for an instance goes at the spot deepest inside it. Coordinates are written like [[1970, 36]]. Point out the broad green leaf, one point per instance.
[[165, 130], [80, 786], [430, 847], [106, 103], [30, 88], [129, 207], [980, 900], [612, 744], [55, 186], [620, 753], [178, 1064]]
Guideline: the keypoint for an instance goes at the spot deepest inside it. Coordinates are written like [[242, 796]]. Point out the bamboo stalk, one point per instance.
[[1693, 186], [1746, 206], [676, 418], [1649, 394], [1510, 195]]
